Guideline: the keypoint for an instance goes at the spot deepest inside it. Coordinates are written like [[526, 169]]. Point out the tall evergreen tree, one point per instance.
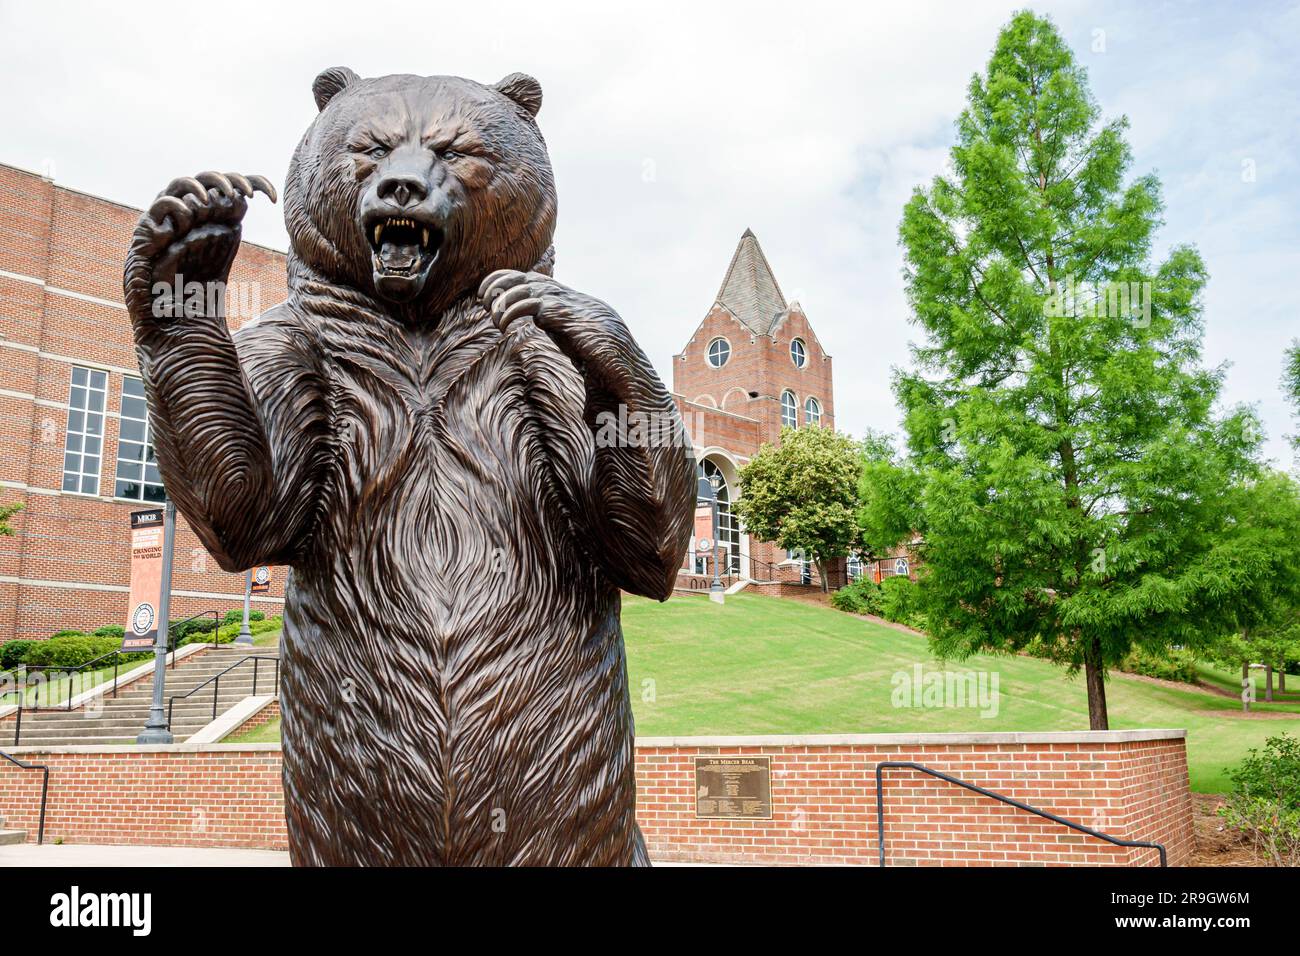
[[1066, 467]]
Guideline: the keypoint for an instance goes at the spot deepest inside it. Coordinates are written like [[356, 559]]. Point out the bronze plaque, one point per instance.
[[728, 788]]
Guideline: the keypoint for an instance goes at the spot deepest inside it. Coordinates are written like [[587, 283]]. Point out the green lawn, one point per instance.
[[762, 665], [55, 689], [268, 733]]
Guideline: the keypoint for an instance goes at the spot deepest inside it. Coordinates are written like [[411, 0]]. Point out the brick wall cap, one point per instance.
[[231, 720], [890, 740]]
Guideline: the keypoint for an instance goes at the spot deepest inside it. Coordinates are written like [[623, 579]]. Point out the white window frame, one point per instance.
[[708, 351], [798, 352], [792, 419], [147, 442], [811, 416], [84, 434]]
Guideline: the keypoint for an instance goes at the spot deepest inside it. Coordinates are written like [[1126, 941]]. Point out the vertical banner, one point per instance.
[[146, 580], [261, 580], [703, 529]]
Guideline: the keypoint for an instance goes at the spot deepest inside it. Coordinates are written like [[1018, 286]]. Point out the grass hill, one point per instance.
[[763, 665]]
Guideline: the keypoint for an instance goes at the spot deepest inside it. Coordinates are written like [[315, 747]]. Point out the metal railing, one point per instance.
[[92, 665], [215, 680], [907, 764], [45, 788]]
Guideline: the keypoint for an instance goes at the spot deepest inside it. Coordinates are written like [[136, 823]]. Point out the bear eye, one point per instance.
[[379, 152], [450, 154]]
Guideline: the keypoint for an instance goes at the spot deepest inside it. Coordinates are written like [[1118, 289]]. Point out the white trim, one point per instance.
[[18, 276], [10, 393], [815, 740], [55, 357], [903, 740]]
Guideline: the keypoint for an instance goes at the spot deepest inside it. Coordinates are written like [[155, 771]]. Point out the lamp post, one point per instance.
[[707, 489], [156, 730], [245, 635]]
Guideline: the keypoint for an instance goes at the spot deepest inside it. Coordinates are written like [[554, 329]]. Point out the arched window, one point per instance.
[[728, 528], [798, 353], [719, 352], [789, 410], [812, 411]]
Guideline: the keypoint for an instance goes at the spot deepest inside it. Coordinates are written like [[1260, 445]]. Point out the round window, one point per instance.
[[719, 351], [798, 353]]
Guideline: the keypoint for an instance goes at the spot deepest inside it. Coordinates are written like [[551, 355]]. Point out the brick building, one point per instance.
[[74, 433], [753, 365], [74, 443]]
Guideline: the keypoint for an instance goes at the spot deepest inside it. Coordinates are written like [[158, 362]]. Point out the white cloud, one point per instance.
[[675, 126]]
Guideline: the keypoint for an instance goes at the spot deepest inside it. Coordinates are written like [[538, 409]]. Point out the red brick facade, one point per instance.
[[733, 407], [61, 256], [1131, 784]]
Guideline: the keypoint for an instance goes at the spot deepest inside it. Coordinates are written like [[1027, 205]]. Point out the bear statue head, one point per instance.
[[411, 189]]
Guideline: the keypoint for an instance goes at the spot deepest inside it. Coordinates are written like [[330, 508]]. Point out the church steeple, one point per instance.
[[750, 290]]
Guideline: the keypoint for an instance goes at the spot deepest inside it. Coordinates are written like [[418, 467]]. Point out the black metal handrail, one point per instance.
[[45, 789], [907, 764], [215, 680], [117, 656]]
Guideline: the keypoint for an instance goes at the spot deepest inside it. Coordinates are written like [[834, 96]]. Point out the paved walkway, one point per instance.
[[29, 854]]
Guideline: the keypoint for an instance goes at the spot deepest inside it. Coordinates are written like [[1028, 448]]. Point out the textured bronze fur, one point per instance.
[[422, 448]]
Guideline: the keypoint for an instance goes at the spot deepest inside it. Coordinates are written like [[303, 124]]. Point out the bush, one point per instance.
[[111, 630], [860, 597], [1178, 665], [68, 650], [237, 616], [14, 653], [1265, 800], [898, 602]]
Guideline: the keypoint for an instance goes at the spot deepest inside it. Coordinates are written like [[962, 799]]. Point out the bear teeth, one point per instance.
[[400, 223]]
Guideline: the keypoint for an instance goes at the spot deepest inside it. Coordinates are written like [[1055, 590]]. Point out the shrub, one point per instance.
[[237, 616], [1265, 800], [1178, 665], [898, 602], [111, 630], [860, 597], [14, 653], [68, 650]]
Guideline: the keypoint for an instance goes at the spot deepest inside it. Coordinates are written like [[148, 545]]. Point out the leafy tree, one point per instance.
[[7, 512], [1263, 536], [802, 494], [1065, 467], [1291, 381]]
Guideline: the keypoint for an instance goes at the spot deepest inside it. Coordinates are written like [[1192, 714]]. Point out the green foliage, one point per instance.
[[861, 597], [899, 602], [1065, 467], [236, 616], [13, 653], [70, 649], [7, 512], [1265, 800], [110, 630], [1168, 664], [802, 494], [1291, 381]]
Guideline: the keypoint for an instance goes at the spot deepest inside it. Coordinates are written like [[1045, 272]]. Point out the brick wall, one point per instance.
[[61, 258], [1132, 784]]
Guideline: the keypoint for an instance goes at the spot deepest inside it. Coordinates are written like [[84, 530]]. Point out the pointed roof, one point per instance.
[[750, 291]]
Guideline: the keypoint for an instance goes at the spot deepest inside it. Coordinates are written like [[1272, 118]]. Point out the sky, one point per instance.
[[674, 127]]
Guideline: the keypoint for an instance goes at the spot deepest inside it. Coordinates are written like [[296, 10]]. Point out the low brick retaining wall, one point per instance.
[[1132, 784]]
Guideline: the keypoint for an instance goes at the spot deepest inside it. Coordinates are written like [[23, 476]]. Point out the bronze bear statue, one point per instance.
[[417, 433]]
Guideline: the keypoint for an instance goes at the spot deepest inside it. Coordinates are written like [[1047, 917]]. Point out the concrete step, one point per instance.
[[9, 837]]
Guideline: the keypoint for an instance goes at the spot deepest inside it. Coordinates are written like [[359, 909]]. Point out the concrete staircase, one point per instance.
[[8, 837], [120, 719]]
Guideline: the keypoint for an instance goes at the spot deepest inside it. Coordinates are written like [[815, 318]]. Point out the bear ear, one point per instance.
[[524, 90], [328, 85]]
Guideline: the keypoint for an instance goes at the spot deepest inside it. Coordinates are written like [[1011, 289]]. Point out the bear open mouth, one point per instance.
[[404, 250]]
